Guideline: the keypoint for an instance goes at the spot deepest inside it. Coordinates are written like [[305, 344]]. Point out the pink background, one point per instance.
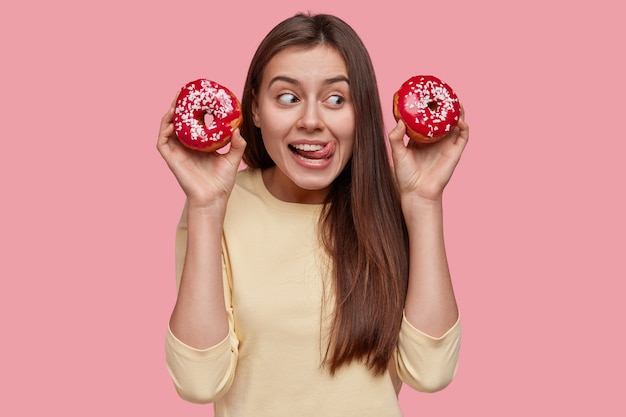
[[535, 213]]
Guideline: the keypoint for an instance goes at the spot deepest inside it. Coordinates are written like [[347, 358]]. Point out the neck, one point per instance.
[[281, 187]]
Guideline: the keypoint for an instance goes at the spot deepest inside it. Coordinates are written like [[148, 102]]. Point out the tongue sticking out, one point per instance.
[[312, 151]]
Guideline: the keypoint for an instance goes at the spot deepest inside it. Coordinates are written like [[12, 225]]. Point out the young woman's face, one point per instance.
[[306, 116]]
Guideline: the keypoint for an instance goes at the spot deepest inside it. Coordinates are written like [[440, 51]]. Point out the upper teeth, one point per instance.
[[308, 147]]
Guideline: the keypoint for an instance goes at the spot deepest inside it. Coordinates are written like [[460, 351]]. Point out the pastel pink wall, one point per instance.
[[534, 215]]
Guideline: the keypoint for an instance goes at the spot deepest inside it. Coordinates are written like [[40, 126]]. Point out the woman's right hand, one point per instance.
[[206, 178]]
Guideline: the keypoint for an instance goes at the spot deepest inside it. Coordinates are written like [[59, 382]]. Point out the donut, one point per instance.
[[428, 107], [197, 99]]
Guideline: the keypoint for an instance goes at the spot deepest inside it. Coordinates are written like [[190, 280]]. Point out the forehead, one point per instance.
[[319, 62]]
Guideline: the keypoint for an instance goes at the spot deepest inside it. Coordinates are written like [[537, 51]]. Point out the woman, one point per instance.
[[314, 281]]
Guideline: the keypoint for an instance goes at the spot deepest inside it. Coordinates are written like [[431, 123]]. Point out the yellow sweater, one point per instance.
[[275, 279]]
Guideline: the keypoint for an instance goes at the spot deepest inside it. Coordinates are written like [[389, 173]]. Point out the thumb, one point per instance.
[[396, 137], [237, 147]]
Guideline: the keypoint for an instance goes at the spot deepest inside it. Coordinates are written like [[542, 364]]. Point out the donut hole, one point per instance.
[[432, 105], [208, 119]]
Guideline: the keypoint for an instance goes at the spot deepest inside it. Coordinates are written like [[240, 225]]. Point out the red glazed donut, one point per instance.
[[428, 107], [195, 100]]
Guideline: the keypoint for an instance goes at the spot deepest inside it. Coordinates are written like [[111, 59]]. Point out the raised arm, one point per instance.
[[199, 317], [422, 172]]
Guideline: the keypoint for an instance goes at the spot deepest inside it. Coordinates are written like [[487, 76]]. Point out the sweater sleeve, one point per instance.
[[427, 363], [201, 375]]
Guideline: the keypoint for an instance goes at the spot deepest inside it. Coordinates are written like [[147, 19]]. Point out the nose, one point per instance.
[[311, 117]]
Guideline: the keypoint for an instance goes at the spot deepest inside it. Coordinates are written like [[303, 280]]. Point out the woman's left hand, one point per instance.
[[423, 170]]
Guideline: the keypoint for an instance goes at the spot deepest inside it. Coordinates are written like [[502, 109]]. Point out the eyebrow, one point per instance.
[[328, 81]]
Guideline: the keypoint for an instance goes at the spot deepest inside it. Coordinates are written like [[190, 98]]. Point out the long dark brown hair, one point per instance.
[[361, 227]]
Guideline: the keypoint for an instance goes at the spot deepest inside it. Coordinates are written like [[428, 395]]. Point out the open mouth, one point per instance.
[[312, 152]]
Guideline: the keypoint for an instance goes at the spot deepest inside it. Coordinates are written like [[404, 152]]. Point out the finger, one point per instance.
[[166, 132], [168, 117], [237, 147], [463, 131], [457, 139], [396, 136], [238, 143], [175, 99], [396, 142], [166, 129]]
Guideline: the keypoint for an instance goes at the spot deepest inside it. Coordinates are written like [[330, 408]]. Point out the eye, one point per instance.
[[335, 100], [287, 98]]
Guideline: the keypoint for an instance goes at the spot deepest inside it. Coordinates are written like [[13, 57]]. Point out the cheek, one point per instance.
[[345, 130], [273, 121], [273, 131]]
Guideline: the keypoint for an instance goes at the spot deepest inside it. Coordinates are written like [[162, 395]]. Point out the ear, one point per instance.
[[255, 111]]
